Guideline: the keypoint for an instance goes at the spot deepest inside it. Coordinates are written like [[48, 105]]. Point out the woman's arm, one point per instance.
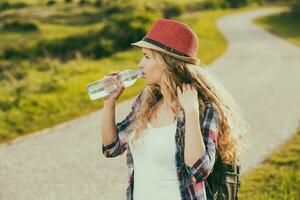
[[114, 136], [108, 127], [200, 138], [109, 132], [194, 145], [201, 145]]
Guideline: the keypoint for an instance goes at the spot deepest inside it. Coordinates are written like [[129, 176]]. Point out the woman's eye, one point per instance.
[[145, 56]]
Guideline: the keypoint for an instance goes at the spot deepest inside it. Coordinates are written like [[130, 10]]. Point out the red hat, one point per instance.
[[173, 38]]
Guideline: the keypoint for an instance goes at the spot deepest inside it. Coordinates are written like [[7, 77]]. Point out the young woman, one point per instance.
[[179, 124]]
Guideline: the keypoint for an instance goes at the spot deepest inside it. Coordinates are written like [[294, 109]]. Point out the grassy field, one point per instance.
[[286, 25], [39, 93], [278, 178]]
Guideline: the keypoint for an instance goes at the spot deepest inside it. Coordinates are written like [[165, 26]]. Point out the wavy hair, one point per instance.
[[232, 126]]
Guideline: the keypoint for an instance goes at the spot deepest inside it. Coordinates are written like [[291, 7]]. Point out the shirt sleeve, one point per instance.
[[209, 129], [124, 128]]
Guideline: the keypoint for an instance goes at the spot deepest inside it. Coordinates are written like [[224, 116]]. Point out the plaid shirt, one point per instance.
[[191, 179]]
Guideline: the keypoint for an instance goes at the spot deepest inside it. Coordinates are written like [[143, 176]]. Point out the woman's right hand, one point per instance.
[[113, 96]]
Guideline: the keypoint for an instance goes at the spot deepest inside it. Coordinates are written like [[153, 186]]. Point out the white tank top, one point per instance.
[[154, 164]]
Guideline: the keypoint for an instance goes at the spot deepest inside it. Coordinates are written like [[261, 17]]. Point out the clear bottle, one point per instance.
[[107, 85]]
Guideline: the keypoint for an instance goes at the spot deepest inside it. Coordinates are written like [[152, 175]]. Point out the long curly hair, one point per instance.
[[232, 126]]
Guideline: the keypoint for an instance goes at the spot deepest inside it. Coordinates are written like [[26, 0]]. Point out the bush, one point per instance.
[[98, 3], [51, 2], [172, 10], [6, 105], [204, 5], [68, 1], [47, 87], [18, 5], [52, 84], [20, 26], [236, 3], [65, 49], [6, 5], [20, 90], [6, 67], [43, 65], [136, 24], [12, 53], [12, 71], [83, 2], [116, 8], [101, 49], [19, 73]]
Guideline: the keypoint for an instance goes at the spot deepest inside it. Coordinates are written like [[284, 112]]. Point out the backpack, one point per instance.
[[223, 182]]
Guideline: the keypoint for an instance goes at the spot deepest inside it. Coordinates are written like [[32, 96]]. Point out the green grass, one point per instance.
[[278, 178], [285, 25], [46, 92]]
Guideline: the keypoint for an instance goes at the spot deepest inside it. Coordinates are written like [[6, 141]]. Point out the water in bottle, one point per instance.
[[107, 85]]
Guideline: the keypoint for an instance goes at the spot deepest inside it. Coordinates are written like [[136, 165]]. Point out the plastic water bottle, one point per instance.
[[107, 85]]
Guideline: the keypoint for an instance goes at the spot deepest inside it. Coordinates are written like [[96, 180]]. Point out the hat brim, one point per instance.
[[144, 44]]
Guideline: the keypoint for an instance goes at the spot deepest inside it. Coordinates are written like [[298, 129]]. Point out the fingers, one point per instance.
[[118, 79], [179, 91], [189, 86], [113, 72], [185, 87]]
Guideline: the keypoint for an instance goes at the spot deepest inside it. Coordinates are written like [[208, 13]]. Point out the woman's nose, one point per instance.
[[140, 68], [141, 65]]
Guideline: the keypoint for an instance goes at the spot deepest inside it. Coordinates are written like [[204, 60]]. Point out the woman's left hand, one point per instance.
[[188, 98]]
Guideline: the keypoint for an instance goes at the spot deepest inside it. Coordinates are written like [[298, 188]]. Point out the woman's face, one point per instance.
[[150, 67]]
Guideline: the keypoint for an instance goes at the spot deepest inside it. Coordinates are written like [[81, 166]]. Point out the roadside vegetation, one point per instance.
[[278, 178]]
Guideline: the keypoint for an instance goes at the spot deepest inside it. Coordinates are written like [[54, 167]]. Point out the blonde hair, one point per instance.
[[232, 126]]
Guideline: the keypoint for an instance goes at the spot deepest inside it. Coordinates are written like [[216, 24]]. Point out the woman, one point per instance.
[[179, 124]]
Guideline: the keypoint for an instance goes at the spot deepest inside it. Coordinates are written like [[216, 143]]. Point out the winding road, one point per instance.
[[65, 162]]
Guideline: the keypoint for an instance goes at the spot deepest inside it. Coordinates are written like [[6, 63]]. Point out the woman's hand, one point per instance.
[[113, 96], [188, 98]]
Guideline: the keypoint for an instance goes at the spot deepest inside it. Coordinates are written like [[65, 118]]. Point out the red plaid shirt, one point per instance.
[[191, 180]]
